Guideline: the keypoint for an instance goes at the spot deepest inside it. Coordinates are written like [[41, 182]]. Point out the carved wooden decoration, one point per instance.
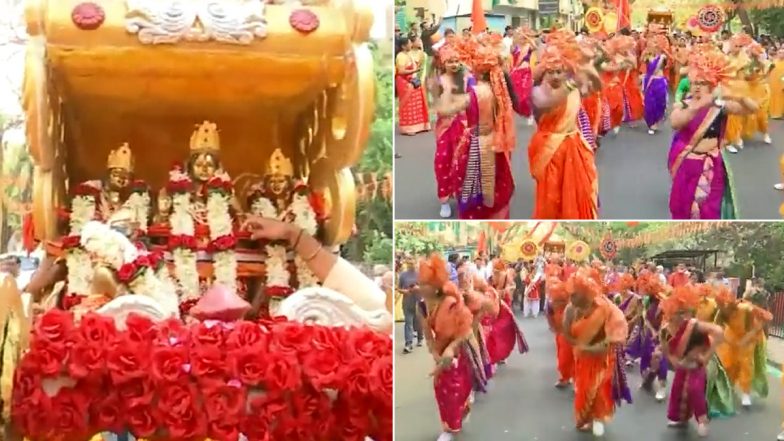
[[171, 21]]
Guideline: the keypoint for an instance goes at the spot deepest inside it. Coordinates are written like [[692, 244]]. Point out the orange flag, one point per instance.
[[478, 21]]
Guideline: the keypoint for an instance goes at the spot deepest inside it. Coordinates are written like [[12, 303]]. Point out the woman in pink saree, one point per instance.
[[701, 182], [448, 330], [689, 350], [506, 334], [521, 73], [484, 183], [412, 115], [452, 131]]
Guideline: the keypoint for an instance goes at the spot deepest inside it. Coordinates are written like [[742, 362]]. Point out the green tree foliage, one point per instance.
[[769, 21], [413, 239], [373, 241]]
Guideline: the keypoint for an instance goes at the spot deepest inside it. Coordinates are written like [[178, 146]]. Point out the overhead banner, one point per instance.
[[548, 7]]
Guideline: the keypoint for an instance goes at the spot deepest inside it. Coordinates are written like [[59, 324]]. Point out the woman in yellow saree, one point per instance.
[[776, 82], [597, 329]]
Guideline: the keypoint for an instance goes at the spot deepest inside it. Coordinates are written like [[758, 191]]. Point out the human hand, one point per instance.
[[269, 229]]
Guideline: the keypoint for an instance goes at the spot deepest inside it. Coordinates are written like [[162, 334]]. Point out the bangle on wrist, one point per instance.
[[315, 253], [295, 244]]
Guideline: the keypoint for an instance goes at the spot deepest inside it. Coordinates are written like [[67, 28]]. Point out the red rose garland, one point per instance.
[[216, 380]]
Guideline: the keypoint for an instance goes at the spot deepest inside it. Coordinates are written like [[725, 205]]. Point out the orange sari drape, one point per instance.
[[563, 349], [613, 92], [594, 371], [562, 164]]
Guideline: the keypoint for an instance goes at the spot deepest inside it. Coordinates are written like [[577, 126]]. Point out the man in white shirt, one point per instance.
[[508, 40], [660, 273]]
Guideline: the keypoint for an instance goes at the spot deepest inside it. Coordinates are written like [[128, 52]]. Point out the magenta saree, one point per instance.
[[452, 134], [700, 183], [687, 396]]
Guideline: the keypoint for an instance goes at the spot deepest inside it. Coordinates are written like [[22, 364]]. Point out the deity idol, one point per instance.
[[283, 197], [201, 216], [116, 194]]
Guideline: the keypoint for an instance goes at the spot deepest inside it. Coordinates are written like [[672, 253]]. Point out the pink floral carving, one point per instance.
[[304, 21], [88, 16]]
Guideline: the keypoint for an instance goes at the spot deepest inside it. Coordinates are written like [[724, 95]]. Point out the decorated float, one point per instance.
[[157, 128]]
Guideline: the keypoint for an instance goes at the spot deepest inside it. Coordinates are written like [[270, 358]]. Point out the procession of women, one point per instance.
[[716, 91]]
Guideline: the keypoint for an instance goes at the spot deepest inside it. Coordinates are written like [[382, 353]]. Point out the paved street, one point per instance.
[[523, 405], [633, 178]]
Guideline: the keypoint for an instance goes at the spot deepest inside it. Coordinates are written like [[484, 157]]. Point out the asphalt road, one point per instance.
[[633, 178], [523, 405]]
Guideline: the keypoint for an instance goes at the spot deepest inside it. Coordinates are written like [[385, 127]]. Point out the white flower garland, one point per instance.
[[184, 259], [80, 269], [304, 218], [277, 273], [219, 221], [139, 203]]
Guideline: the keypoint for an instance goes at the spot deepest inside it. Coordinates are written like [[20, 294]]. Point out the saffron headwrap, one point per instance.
[[626, 281], [683, 299], [582, 283], [712, 67], [741, 39], [448, 52], [486, 60], [433, 272], [725, 297], [705, 290], [556, 289]]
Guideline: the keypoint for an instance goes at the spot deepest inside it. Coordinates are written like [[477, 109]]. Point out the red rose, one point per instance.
[[357, 379], [71, 300], [169, 363], [126, 272], [223, 430], [291, 338], [107, 412], [48, 357], [225, 404], [323, 369], [282, 372], [328, 338], [312, 406], [128, 360], [141, 420], [368, 344], [176, 399], [136, 392], [70, 242], [140, 328], [248, 366], [27, 383], [208, 365], [54, 326], [97, 329], [67, 417], [87, 360], [248, 334], [381, 379], [224, 243], [142, 261], [180, 414], [353, 421], [173, 332], [208, 335]]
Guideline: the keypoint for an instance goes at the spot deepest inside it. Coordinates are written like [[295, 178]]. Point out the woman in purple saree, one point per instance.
[[689, 351], [655, 89], [701, 182]]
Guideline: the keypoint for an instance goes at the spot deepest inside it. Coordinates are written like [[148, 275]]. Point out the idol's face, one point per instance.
[[278, 185], [203, 167], [119, 179]]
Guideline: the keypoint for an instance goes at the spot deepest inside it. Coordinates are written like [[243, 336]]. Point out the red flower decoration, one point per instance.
[[71, 300], [71, 242], [279, 291], [88, 16], [182, 241], [126, 272], [179, 186], [304, 21], [195, 381], [86, 190], [223, 243]]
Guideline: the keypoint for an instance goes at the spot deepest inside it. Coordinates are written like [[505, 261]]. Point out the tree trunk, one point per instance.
[[745, 20]]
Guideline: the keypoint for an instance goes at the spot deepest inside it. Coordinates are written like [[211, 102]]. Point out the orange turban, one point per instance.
[[705, 290], [486, 60], [582, 283], [626, 281], [711, 66], [556, 290], [499, 265], [433, 271], [725, 297], [684, 298], [448, 52]]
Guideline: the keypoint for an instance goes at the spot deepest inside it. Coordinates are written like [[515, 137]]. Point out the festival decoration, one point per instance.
[[594, 19], [529, 249], [610, 22], [578, 251], [671, 231], [710, 18], [608, 248], [168, 380]]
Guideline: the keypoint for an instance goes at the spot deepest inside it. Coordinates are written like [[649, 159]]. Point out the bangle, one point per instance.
[[296, 241], [313, 256]]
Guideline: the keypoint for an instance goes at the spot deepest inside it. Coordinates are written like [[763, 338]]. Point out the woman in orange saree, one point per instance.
[[505, 332], [597, 329], [556, 305], [561, 159], [448, 330], [412, 109]]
